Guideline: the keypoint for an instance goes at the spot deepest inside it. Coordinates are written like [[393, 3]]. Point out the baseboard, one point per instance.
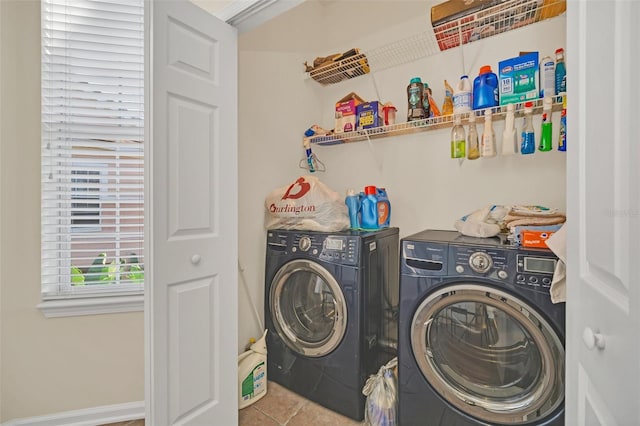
[[86, 417]]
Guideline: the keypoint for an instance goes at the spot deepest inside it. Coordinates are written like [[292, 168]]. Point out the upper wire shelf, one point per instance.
[[432, 123], [505, 16]]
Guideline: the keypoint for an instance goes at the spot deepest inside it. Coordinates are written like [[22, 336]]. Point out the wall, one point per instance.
[[427, 189], [47, 365]]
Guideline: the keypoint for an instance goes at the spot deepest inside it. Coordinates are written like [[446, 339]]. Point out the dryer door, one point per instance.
[[308, 308], [489, 354]]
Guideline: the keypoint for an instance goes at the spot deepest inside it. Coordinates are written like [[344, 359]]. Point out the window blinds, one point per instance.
[[92, 147]]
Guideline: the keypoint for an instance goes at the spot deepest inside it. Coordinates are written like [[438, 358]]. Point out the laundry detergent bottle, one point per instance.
[[384, 208], [252, 373], [485, 89], [369, 206], [353, 204]]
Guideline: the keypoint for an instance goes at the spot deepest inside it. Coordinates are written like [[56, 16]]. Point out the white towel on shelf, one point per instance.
[[557, 243]]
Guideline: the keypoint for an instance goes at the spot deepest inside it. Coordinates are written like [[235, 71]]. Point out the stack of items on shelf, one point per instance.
[[354, 113], [339, 66], [531, 226]]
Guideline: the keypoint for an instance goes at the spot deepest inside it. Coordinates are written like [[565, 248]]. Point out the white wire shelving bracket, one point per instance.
[[505, 16]]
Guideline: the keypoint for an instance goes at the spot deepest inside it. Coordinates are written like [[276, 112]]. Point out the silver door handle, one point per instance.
[[593, 340]]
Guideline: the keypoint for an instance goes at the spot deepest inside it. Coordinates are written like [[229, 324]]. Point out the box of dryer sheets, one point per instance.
[[369, 115], [518, 79], [536, 239], [346, 112]]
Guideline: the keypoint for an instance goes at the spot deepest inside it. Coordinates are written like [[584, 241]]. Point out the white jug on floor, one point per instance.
[[252, 373]]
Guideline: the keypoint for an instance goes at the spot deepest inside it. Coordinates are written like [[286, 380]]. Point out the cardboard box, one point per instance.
[[518, 79], [369, 114], [346, 113], [537, 239]]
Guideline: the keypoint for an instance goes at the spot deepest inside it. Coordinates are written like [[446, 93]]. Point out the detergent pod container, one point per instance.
[[252, 373], [369, 206]]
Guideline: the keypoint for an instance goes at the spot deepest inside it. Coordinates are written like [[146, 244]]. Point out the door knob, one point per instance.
[[592, 340], [195, 259]]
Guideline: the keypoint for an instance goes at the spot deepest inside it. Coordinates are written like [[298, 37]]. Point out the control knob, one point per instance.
[[305, 243], [480, 262]]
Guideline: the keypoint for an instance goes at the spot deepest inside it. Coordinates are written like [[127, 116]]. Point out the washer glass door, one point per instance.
[[489, 354], [308, 308]]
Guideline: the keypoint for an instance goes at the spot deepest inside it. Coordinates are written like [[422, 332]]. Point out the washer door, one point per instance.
[[308, 308], [489, 354]]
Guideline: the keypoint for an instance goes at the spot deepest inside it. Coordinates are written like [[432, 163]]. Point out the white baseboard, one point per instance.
[[86, 417]]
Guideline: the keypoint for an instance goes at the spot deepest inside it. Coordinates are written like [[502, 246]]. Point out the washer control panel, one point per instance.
[[482, 261], [333, 248]]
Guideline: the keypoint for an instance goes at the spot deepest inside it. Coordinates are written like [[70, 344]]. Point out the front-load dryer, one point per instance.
[[331, 306], [480, 341]]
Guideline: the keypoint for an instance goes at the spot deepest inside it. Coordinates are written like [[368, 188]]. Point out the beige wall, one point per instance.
[[47, 365]]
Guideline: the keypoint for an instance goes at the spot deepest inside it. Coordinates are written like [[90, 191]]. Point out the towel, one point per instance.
[[557, 243]]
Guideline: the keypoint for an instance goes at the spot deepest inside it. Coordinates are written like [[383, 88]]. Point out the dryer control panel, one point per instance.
[[341, 249]]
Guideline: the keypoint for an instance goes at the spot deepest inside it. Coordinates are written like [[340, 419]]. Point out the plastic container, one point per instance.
[[561, 73], [415, 98], [488, 142], [473, 146], [384, 208], [546, 126], [252, 373], [547, 77], [458, 140], [509, 138], [369, 209], [353, 204], [389, 112], [562, 139], [447, 105], [462, 96], [528, 138], [485, 89], [434, 111]]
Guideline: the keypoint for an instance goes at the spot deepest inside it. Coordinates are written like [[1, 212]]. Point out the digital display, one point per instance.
[[539, 264], [333, 244]]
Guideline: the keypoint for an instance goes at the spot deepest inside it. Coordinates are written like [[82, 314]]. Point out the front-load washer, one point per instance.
[[331, 306], [480, 341]]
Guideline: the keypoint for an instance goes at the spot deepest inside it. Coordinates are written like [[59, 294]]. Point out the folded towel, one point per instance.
[[557, 243], [511, 221]]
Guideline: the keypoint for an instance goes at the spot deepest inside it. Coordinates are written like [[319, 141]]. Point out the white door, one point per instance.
[[191, 293], [603, 205]]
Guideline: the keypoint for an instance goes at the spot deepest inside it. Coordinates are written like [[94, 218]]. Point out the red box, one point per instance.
[[536, 239]]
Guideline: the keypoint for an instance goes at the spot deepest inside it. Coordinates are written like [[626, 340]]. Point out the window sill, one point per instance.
[[92, 306]]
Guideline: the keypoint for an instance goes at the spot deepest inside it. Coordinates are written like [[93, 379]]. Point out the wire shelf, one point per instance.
[[433, 123], [505, 16]]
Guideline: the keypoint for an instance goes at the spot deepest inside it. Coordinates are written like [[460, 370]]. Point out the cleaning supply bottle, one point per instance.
[[369, 212], [353, 204], [415, 94], [252, 373], [528, 139], [488, 143], [473, 148], [462, 96], [426, 94], [457, 138], [509, 139], [384, 208], [434, 111], [485, 89], [447, 106], [561, 73], [546, 129], [547, 77], [562, 140]]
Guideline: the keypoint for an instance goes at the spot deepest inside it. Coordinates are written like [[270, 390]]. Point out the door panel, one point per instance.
[[191, 296], [603, 344]]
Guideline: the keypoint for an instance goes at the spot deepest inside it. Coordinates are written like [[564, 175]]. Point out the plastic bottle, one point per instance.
[[546, 127], [434, 111], [447, 105], [528, 139], [458, 139], [488, 143], [252, 373], [473, 148], [426, 104], [369, 215], [562, 140], [485, 89], [353, 204], [561, 73], [509, 139], [462, 96], [415, 93], [547, 77], [384, 208]]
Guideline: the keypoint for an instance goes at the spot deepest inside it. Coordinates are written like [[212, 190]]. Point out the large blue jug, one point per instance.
[[485, 89]]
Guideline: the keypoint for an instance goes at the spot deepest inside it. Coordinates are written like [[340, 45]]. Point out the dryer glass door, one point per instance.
[[489, 354], [308, 308]]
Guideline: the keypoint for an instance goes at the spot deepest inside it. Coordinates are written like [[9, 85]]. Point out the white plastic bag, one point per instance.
[[306, 204], [482, 223], [382, 397]]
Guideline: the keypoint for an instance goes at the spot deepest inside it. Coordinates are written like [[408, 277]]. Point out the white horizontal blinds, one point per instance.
[[92, 146]]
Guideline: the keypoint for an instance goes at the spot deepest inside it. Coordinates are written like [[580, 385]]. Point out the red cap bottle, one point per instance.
[[370, 190]]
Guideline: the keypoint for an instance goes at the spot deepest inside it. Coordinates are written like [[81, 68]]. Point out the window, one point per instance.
[[92, 148]]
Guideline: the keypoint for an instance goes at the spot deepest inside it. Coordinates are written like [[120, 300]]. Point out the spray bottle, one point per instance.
[[509, 140], [252, 373], [488, 142], [546, 127]]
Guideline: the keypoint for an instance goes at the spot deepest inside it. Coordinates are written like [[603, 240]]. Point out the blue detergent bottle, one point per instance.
[[369, 209], [485, 89], [352, 200], [384, 208]]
